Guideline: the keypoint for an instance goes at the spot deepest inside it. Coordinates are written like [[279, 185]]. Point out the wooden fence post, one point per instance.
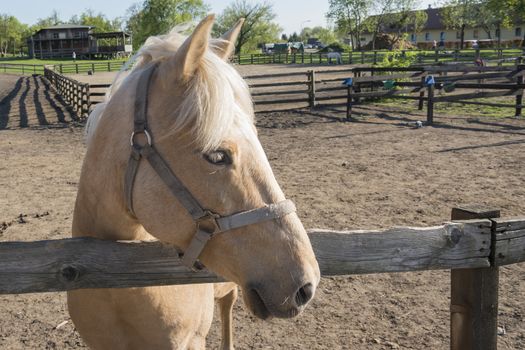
[[311, 88], [421, 94], [474, 297], [349, 104], [86, 103], [519, 97], [430, 104]]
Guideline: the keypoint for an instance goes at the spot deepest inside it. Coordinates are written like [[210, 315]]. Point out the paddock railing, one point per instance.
[[66, 264], [76, 94], [473, 249], [347, 87], [498, 55]]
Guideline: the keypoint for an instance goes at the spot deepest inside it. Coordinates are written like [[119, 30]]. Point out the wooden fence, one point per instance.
[[453, 83], [91, 67], [19, 68], [464, 84], [477, 247], [74, 93], [375, 56]]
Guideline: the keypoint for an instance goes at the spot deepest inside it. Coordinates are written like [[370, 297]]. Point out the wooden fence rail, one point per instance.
[[74, 93], [496, 55], [388, 82], [58, 265]]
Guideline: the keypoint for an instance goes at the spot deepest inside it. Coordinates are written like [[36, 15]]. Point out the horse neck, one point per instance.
[[100, 208]]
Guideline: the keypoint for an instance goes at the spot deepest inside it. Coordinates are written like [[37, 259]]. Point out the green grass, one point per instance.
[[36, 66], [19, 60], [456, 109]]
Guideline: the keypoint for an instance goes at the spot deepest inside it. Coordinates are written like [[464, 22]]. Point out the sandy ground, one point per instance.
[[375, 172]]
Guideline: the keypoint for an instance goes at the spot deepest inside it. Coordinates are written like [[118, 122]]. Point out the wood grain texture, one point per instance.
[[454, 245], [66, 264], [509, 244]]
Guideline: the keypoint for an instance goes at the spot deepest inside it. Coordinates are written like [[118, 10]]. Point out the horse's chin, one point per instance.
[[264, 311], [255, 304]]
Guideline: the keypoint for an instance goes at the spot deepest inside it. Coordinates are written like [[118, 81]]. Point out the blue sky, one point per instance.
[[292, 15]]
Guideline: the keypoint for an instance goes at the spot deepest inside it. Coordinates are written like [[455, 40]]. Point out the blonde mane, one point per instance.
[[216, 98]]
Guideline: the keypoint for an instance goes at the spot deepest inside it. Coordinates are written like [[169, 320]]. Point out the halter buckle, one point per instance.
[[138, 132], [208, 223]]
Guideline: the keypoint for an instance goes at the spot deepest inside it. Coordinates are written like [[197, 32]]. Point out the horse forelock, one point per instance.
[[216, 99]]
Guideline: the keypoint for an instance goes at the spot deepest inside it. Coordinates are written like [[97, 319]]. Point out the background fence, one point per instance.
[[74, 93], [500, 56], [376, 56], [457, 83]]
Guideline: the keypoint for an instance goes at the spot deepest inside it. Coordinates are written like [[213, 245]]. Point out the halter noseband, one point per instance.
[[207, 223]]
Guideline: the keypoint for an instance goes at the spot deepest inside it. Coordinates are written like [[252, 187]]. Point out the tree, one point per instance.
[[392, 14], [458, 15], [99, 21], [11, 34], [293, 37], [156, 17], [51, 20], [497, 14], [258, 24], [402, 22], [349, 17]]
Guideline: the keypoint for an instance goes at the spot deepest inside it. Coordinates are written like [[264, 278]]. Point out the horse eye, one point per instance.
[[219, 157]]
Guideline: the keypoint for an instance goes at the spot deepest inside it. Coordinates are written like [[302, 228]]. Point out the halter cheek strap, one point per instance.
[[207, 223]]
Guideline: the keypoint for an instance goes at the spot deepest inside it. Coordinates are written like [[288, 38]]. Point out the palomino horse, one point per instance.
[[197, 178]]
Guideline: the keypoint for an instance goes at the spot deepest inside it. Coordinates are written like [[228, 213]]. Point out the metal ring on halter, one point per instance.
[[145, 132], [208, 223]]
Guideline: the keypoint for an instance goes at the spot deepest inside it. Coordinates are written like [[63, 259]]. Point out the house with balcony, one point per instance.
[[62, 40]]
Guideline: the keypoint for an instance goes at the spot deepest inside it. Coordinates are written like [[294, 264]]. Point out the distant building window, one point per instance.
[[427, 36], [498, 33], [55, 35], [442, 36], [475, 33], [77, 35], [363, 39], [458, 35], [413, 37], [517, 32]]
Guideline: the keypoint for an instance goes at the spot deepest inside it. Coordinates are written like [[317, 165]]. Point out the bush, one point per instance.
[[399, 59], [335, 47]]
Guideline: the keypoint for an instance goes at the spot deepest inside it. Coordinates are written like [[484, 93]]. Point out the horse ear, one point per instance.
[[188, 57], [225, 47]]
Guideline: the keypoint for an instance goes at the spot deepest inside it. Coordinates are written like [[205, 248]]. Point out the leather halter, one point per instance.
[[207, 223]]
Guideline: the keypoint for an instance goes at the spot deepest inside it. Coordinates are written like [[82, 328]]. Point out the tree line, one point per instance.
[[154, 17], [350, 18], [356, 17]]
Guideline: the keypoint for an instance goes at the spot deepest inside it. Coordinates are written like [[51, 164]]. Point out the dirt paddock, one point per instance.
[[376, 172]]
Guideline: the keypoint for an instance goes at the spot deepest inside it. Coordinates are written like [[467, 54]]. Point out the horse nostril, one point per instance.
[[304, 294]]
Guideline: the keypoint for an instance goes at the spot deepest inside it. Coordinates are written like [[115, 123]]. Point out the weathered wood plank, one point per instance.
[[510, 250], [89, 263], [457, 245], [85, 262], [509, 224], [483, 94]]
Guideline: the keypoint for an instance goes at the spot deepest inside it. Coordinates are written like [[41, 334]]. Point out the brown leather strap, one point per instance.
[[172, 181], [230, 222], [129, 177], [249, 217]]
